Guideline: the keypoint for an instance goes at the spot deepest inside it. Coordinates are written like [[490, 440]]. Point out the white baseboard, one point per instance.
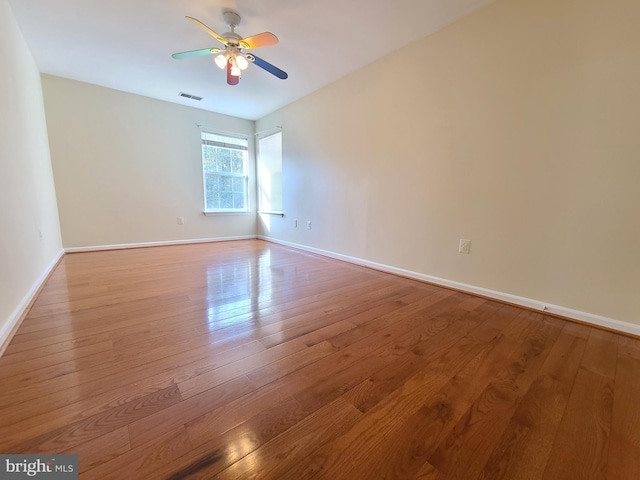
[[96, 248], [19, 311], [543, 307]]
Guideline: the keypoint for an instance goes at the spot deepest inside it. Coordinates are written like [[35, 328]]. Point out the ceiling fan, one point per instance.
[[233, 56]]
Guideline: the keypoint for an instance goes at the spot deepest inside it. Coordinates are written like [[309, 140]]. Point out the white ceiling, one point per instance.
[[127, 44]]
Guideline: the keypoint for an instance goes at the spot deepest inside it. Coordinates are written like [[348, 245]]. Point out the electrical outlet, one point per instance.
[[180, 220], [309, 225], [465, 246]]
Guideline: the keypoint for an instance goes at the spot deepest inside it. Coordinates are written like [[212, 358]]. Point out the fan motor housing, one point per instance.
[[232, 37]]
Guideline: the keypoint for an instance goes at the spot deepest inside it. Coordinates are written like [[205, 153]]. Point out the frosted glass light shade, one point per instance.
[[221, 60], [242, 62]]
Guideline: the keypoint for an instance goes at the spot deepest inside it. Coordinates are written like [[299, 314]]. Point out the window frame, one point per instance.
[[206, 173]]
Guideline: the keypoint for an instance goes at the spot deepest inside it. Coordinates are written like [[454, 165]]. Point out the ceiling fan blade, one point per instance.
[[231, 79], [268, 67], [208, 30], [195, 53], [260, 40]]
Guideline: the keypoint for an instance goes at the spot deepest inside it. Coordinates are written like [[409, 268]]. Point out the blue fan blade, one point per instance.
[[269, 68]]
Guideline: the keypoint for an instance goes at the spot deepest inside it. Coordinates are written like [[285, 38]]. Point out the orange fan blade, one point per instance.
[[208, 30], [260, 40]]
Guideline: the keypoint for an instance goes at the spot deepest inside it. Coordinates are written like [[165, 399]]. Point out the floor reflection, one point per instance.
[[239, 291]]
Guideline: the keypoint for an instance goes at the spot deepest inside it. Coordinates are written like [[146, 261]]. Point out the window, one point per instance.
[[225, 174], [270, 173]]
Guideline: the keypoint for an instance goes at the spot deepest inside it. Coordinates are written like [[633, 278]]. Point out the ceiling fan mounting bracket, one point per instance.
[[231, 18]]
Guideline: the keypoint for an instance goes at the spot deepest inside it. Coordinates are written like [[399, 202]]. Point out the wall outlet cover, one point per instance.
[[465, 246]]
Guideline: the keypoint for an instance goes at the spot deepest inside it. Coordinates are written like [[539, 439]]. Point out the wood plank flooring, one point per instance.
[[247, 359]]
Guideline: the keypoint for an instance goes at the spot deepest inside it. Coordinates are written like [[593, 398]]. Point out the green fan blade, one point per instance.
[[196, 53]]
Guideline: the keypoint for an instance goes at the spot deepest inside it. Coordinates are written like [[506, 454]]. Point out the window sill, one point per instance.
[[279, 214], [213, 214]]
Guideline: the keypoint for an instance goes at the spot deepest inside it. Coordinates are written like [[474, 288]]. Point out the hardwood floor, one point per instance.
[[251, 360]]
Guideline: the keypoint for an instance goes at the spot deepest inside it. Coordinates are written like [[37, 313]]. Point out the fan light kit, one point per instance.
[[233, 57]]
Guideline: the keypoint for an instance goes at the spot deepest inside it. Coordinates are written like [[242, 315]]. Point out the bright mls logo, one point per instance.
[[52, 467]]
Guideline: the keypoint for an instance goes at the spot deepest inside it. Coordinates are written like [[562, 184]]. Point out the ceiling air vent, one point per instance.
[[188, 95]]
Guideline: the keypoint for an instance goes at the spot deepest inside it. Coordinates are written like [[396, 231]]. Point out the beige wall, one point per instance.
[[29, 230], [516, 127], [127, 166]]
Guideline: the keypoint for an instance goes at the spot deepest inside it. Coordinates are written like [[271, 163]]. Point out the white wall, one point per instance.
[[516, 127], [30, 234], [127, 166]]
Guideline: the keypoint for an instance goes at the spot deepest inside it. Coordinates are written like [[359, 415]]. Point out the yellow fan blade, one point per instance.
[[208, 30], [260, 40]]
